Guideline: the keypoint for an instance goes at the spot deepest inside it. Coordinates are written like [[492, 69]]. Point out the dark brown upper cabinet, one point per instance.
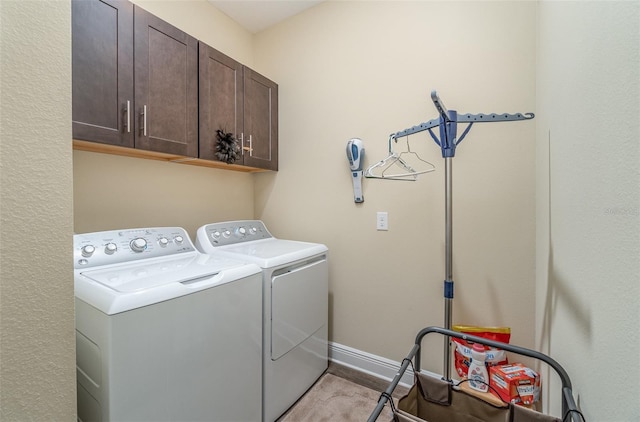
[[102, 71], [166, 86], [221, 98], [260, 121], [135, 79], [238, 100]]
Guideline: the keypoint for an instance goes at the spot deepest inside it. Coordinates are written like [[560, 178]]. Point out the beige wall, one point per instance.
[[588, 200], [113, 192], [365, 69], [206, 23], [37, 341]]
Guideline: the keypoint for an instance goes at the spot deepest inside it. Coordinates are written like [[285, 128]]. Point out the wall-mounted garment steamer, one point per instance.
[[448, 141], [355, 154]]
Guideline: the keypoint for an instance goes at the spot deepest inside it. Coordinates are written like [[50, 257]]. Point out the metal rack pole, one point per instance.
[[448, 281]]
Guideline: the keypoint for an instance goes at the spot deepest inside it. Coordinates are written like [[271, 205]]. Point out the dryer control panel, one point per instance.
[[232, 232], [116, 246]]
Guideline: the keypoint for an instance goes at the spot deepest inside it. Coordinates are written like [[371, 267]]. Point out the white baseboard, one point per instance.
[[370, 364]]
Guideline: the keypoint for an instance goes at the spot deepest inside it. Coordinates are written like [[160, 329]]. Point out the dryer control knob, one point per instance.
[[88, 250], [163, 241], [110, 248], [215, 234], [226, 233], [253, 230], [242, 231], [138, 244]]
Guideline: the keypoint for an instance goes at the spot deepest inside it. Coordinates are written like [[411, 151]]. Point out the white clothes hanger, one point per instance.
[[383, 168]]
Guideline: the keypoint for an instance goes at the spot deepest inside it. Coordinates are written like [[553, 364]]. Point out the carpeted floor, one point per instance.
[[336, 399]]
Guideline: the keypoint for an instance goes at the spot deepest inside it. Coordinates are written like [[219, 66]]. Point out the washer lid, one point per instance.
[[269, 253], [137, 276], [118, 288]]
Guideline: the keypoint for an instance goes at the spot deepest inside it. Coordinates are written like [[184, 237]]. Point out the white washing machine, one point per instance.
[[296, 289], [163, 332]]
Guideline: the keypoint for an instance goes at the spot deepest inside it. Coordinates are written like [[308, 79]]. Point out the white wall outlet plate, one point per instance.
[[382, 220]]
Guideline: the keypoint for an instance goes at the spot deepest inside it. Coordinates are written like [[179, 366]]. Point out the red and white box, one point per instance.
[[515, 383]]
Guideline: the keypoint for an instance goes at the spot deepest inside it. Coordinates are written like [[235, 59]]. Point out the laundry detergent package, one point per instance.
[[462, 350], [515, 383]]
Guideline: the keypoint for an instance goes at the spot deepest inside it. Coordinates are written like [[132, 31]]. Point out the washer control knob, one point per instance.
[[110, 248], [163, 241], [253, 230], [178, 239], [226, 233], [88, 250], [242, 231], [138, 244]]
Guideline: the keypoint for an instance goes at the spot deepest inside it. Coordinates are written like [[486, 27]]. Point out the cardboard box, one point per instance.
[[515, 383]]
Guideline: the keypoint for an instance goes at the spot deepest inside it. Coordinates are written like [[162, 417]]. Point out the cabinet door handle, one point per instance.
[[128, 116], [143, 129], [249, 148]]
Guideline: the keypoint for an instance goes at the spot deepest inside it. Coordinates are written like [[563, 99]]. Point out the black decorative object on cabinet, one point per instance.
[[227, 147]]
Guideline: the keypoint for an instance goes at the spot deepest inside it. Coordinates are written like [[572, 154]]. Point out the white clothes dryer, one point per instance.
[[163, 332], [295, 300]]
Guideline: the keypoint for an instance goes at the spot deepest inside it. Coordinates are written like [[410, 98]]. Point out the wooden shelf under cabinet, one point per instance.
[[80, 145]]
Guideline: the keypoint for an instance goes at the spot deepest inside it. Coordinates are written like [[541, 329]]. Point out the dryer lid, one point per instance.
[[270, 253]]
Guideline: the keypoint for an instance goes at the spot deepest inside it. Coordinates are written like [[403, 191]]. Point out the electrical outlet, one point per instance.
[[382, 221]]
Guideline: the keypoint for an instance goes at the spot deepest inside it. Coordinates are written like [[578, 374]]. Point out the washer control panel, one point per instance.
[[116, 246], [232, 232]]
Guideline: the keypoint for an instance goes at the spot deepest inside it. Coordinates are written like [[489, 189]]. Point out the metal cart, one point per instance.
[[443, 401]]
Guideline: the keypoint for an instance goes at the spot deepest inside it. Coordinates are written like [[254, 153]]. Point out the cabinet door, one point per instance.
[[260, 142], [221, 91], [102, 71], [166, 86]]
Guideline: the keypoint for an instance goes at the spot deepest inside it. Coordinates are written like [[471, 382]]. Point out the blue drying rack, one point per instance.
[[448, 141], [448, 123]]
